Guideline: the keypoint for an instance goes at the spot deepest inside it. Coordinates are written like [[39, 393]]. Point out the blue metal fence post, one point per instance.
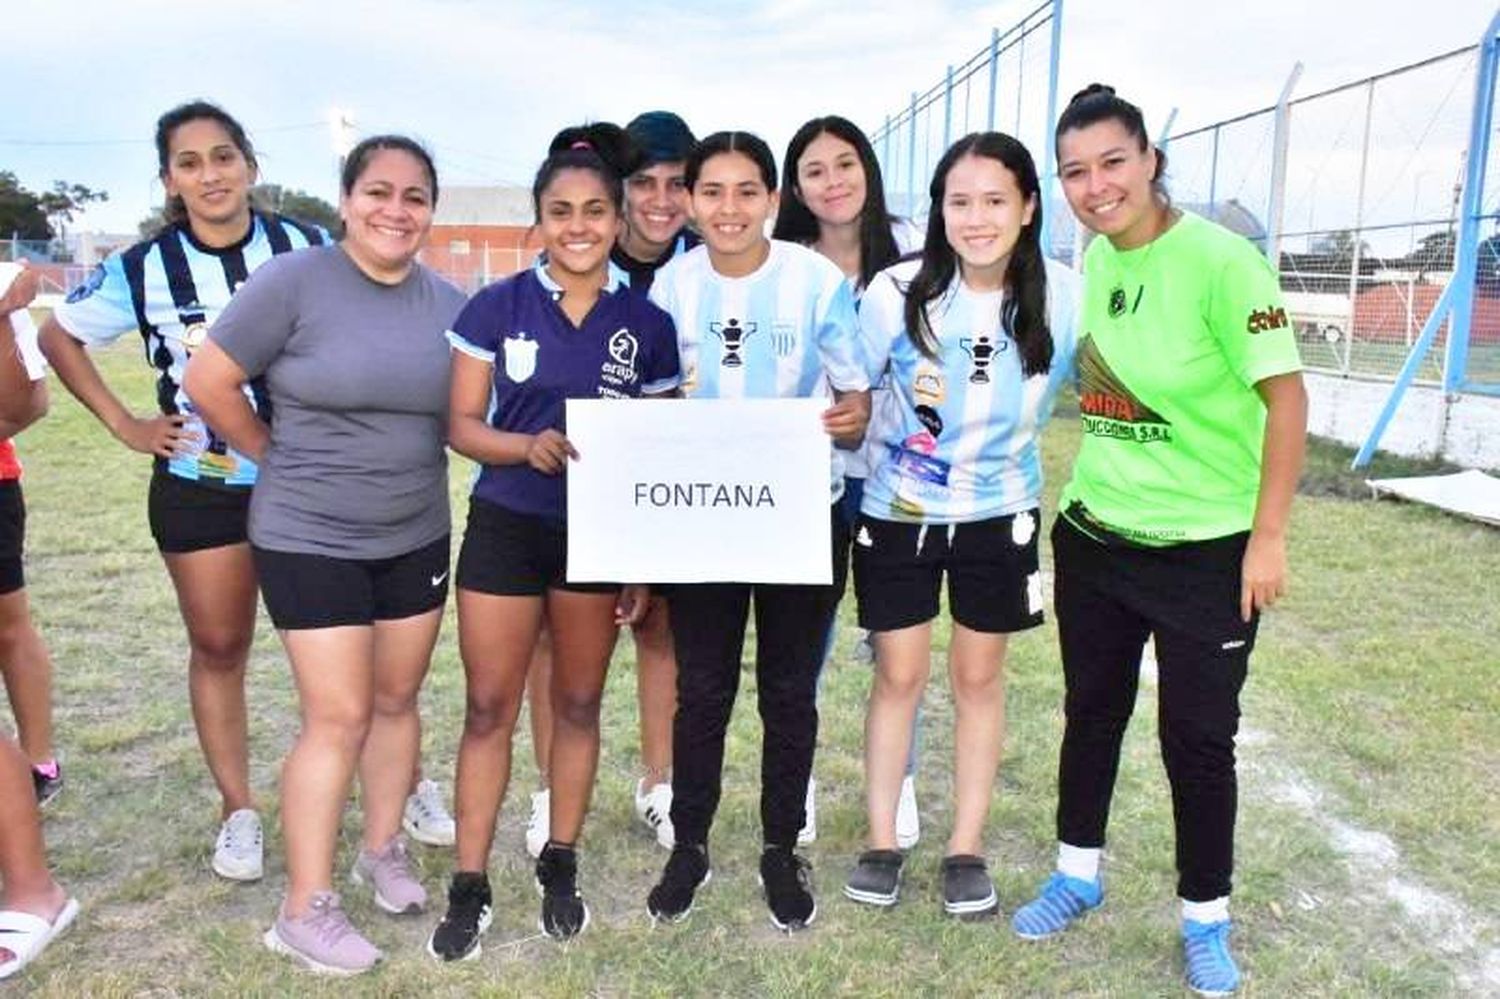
[[948, 108], [1276, 200], [886, 166], [911, 162], [1213, 175], [1049, 155], [989, 118], [1456, 304], [1466, 254]]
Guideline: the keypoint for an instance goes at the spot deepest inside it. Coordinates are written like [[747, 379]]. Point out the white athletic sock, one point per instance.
[[1081, 862], [1216, 911]]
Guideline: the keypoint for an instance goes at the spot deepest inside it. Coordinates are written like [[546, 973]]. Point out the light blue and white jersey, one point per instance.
[[857, 464], [957, 438], [786, 331], [171, 288]]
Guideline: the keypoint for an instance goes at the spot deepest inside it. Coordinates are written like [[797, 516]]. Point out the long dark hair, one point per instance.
[[1023, 314], [877, 246], [168, 124], [603, 148], [1098, 102], [745, 143]]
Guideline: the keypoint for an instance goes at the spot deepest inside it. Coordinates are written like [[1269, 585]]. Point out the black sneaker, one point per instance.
[[787, 881], [47, 787], [687, 870], [876, 878], [456, 937], [968, 892], [564, 914]]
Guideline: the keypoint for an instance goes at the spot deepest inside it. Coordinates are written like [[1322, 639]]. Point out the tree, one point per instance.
[[153, 223], [1339, 244], [29, 215], [299, 205], [295, 204], [21, 213], [63, 200]]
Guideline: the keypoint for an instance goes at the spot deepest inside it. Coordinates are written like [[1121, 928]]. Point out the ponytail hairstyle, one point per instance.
[[1098, 102], [1023, 312], [167, 125], [744, 143], [602, 148], [794, 222]]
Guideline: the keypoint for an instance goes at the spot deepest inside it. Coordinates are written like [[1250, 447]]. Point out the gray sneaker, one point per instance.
[[388, 871], [322, 938]]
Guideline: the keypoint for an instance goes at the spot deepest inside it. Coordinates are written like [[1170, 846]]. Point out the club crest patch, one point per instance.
[[91, 284], [520, 357], [784, 338]]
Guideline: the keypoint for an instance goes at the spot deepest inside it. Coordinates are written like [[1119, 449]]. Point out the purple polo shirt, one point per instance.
[[625, 348]]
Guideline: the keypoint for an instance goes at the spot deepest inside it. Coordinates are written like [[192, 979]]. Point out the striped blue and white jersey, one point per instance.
[[909, 237], [171, 288], [639, 274], [786, 331], [957, 438]]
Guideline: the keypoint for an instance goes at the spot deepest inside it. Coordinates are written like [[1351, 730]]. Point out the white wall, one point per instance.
[[1344, 409]]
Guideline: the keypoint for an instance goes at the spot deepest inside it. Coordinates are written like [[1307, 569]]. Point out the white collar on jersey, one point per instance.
[[612, 283]]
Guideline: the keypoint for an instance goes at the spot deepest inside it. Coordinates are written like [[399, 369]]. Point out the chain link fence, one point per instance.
[[1359, 207], [1009, 86]]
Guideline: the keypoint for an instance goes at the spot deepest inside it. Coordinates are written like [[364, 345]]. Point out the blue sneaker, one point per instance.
[[1211, 970], [1062, 901]]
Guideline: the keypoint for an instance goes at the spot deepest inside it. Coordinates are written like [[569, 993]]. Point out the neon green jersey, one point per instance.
[[1173, 338]]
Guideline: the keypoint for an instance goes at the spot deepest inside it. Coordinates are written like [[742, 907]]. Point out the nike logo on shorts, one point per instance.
[[438, 579]]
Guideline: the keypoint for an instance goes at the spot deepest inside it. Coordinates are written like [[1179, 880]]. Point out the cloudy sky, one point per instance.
[[486, 83]]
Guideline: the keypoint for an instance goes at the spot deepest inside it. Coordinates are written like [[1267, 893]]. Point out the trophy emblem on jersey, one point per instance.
[[733, 335], [194, 335], [981, 350], [520, 357]]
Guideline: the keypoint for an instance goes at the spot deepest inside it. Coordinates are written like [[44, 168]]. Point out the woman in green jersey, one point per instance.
[[1173, 526]]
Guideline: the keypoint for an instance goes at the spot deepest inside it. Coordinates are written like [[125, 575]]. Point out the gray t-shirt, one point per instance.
[[357, 375]]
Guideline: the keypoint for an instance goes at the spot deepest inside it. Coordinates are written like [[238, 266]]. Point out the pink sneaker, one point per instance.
[[397, 891], [322, 938]]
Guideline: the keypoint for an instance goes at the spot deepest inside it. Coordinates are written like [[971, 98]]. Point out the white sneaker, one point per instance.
[[654, 808], [908, 822], [239, 854], [539, 826], [426, 817], [809, 830]]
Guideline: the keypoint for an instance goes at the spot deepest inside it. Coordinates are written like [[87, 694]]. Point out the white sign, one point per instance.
[[698, 491]]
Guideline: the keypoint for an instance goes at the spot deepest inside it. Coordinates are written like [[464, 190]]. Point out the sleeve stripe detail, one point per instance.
[[458, 343]]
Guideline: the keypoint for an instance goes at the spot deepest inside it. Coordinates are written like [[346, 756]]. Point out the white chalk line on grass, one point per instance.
[[1449, 925]]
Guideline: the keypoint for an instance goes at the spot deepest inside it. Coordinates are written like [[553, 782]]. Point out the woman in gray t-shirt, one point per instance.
[[348, 522]]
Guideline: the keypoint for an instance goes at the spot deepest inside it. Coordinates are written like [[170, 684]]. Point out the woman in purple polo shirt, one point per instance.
[[564, 329]]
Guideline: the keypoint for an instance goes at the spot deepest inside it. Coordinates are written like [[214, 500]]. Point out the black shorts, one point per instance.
[[12, 536], [188, 516], [322, 591], [510, 554], [994, 579]]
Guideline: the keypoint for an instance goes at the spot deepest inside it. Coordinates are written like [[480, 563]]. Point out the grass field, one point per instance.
[[1367, 854]]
